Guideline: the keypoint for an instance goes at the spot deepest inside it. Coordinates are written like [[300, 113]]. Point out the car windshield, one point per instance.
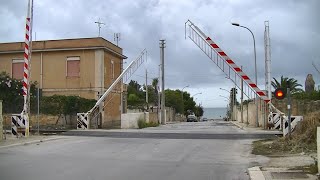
[[159, 89]]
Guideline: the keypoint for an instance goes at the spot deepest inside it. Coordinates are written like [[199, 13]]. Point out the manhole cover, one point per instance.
[[288, 175]]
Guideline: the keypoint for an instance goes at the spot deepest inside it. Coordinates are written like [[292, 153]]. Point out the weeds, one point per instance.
[[303, 139], [143, 124]]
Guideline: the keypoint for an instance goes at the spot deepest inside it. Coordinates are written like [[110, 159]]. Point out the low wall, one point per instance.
[[249, 114], [130, 120], [153, 117], [170, 114], [298, 108], [46, 121]]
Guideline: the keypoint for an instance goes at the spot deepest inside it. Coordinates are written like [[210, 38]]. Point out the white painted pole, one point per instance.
[[318, 147]]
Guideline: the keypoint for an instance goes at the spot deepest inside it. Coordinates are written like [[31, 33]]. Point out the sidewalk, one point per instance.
[[11, 141], [279, 167]]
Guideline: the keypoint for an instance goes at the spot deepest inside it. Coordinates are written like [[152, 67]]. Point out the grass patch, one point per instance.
[[281, 146], [143, 124], [262, 147]]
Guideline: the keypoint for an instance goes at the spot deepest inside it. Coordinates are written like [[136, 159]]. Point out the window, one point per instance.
[[73, 66], [17, 68], [112, 69]]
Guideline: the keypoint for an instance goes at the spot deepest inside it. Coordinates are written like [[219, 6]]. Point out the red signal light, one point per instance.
[[279, 93]]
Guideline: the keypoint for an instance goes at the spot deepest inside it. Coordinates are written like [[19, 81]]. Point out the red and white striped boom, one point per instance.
[[222, 60]]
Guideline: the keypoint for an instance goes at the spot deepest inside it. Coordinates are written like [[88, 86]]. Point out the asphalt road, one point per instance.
[[166, 155]]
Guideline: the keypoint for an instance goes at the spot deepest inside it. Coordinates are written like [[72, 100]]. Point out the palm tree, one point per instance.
[[284, 81]]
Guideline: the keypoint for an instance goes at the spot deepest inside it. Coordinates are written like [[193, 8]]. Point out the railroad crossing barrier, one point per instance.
[[294, 121], [18, 125], [82, 121]]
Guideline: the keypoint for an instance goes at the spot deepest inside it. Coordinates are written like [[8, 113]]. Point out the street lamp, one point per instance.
[[224, 90], [196, 94], [225, 97], [182, 98], [255, 67]]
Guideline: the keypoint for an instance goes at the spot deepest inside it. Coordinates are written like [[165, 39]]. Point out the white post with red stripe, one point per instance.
[[26, 74]]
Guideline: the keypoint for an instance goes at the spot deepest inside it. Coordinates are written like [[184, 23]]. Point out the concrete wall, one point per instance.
[[153, 117], [299, 108], [130, 120], [249, 114]]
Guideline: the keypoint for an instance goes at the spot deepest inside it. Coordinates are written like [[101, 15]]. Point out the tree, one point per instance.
[[174, 100], [136, 96], [134, 100], [198, 111], [189, 103], [284, 81], [11, 94]]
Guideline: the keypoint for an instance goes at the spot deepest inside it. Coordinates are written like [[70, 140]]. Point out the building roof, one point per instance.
[[64, 45]]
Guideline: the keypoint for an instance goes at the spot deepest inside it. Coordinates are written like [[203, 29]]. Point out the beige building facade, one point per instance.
[[82, 67]]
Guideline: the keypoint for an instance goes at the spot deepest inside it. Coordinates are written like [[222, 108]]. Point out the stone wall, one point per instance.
[[299, 108]]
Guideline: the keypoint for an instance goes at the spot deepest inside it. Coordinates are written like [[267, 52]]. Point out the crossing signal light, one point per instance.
[[280, 93]]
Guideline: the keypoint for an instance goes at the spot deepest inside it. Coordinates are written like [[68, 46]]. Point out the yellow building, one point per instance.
[[83, 67]]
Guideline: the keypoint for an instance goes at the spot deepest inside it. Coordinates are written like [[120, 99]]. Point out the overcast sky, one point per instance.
[[294, 32]]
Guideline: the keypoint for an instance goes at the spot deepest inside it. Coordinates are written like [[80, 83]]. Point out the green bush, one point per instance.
[[57, 104], [153, 124], [143, 124]]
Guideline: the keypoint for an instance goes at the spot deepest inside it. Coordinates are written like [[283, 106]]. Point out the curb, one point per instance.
[[255, 173], [31, 142]]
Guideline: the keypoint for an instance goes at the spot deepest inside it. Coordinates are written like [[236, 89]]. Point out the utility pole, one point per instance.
[[267, 48], [159, 95], [289, 111], [163, 115], [99, 25], [241, 107], [147, 101]]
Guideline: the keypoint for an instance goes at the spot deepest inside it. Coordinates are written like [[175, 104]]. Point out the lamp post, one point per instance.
[[255, 67], [225, 97], [228, 100], [182, 98], [196, 94], [224, 90]]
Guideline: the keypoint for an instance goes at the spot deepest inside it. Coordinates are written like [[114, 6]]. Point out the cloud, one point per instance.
[[294, 32]]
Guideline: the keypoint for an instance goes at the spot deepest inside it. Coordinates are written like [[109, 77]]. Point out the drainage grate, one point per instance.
[[288, 175]]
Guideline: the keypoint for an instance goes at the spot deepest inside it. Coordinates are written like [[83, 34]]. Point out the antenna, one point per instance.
[[99, 25], [116, 37]]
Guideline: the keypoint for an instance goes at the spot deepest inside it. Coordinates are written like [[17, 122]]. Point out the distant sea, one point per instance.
[[214, 113]]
